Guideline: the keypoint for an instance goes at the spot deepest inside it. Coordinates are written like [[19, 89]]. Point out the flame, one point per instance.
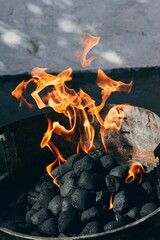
[[111, 202], [49, 171], [88, 42], [136, 170], [79, 108], [109, 85]]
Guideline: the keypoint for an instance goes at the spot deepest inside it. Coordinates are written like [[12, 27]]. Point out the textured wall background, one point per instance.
[[45, 33]]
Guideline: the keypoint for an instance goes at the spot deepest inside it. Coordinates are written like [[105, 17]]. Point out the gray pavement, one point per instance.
[[45, 33]]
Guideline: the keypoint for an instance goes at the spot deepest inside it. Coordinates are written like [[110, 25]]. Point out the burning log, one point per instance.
[[138, 137]]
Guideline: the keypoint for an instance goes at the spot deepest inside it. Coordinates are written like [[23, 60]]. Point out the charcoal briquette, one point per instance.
[[28, 217], [90, 214], [99, 196], [84, 164], [157, 186], [73, 158], [96, 155], [67, 187], [40, 216], [67, 166], [113, 183], [91, 228], [69, 222], [70, 174], [90, 181], [108, 162], [49, 227], [120, 202], [120, 171], [61, 170], [36, 207], [147, 187], [147, 208], [133, 213], [46, 195], [38, 187], [82, 199], [32, 196], [45, 178], [112, 225], [55, 205], [119, 217], [66, 205]]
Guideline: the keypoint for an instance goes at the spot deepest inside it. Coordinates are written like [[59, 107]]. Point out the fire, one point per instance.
[[111, 202], [136, 171], [79, 108], [88, 42]]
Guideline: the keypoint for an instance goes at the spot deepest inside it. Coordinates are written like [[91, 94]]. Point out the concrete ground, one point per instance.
[[45, 33]]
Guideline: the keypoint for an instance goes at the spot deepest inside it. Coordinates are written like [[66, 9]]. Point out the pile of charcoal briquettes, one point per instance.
[[80, 205]]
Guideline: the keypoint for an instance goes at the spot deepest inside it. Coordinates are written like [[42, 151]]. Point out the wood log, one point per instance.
[[138, 137]]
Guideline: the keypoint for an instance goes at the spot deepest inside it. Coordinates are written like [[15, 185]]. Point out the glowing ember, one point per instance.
[[78, 107], [136, 171]]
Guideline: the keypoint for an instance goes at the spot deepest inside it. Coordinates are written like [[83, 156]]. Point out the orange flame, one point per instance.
[[79, 108], [109, 85], [136, 170], [49, 171], [111, 202], [88, 41]]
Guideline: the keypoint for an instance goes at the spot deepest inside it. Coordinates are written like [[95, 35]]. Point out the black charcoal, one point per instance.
[[49, 227], [120, 171], [36, 207], [99, 196], [46, 195], [81, 205], [90, 181], [89, 215], [67, 187], [40, 216], [120, 202], [69, 222], [61, 170], [119, 217], [73, 158], [66, 205], [67, 175], [112, 225], [147, 187], [96, 155], [84, 164], [28, 217], [38, 187], [67, 166], [108, 162], [147, 208], [32, 196], [55, 205], [45, 178], [113, 183], [158, 188], [82, 199], [91, 228], [133, 213]]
